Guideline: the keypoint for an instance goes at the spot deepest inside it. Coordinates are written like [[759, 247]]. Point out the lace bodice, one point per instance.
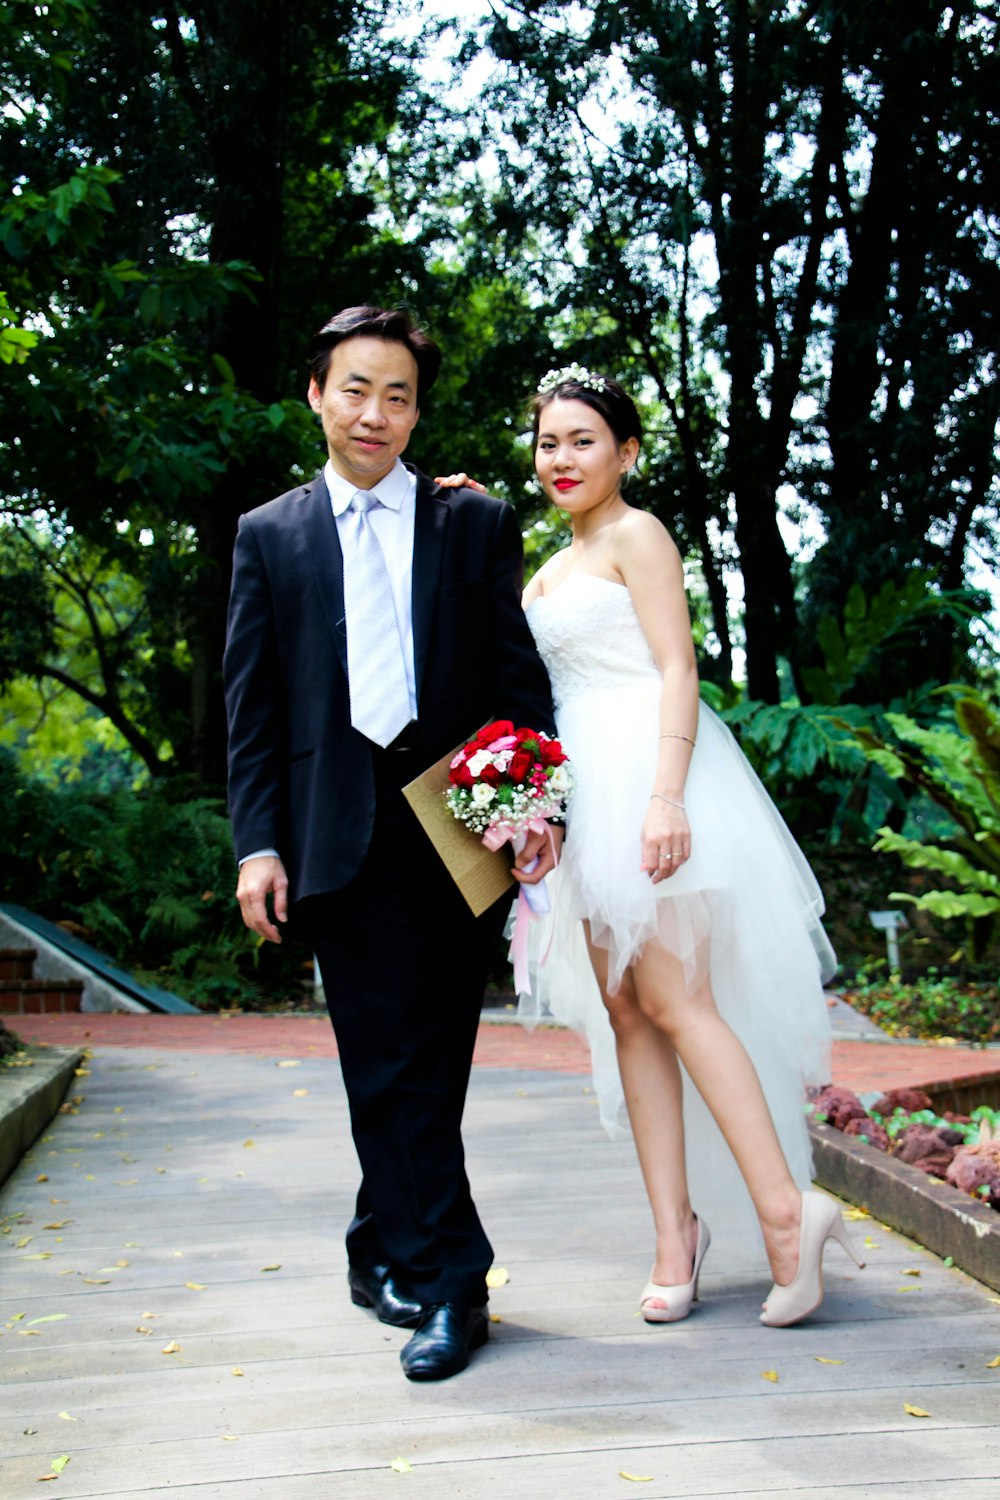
[[589, 637]]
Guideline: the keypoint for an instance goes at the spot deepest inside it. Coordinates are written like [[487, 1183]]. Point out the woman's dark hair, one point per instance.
[[392, 324], [612, 401]]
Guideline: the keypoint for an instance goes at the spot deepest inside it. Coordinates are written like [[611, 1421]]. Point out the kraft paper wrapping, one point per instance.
[[482, 875]]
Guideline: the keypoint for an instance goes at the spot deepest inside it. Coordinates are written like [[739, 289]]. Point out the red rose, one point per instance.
[[553, 753], [519, 766], [496, 731], [460, 775], [490, 775]]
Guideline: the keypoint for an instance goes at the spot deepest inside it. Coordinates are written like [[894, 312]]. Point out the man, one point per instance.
[[366, 640]]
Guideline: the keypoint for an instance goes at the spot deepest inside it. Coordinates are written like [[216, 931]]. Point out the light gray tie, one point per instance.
[[380, 699]]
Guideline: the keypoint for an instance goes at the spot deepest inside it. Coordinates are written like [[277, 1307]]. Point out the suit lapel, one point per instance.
[[429, 526], [322, 542]]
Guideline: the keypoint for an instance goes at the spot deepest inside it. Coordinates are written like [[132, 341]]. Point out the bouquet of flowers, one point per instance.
[[507, 780], [505, 783]]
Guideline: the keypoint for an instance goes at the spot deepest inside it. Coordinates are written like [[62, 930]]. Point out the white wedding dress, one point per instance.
[[745, 910]]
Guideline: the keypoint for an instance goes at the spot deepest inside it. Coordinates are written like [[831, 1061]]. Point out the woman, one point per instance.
[[680, 892]]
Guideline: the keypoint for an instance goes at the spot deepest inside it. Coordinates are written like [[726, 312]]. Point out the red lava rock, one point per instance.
[[977, 1166], [917, 1142], [909, 1100], [873, 1132], [839, 1105], [935, 1165]]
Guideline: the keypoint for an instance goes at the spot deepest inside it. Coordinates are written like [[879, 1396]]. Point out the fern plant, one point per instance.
[[956, 767]]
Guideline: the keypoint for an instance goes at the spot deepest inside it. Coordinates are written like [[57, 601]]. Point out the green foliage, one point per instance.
[[936, 1005], [955, 767], [860, 649], [147, 875]]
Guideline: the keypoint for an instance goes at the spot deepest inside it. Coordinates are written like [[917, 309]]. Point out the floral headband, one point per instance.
[[578, 374]]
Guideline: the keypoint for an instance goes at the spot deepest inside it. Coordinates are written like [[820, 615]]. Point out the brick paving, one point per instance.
[[860, 1065]]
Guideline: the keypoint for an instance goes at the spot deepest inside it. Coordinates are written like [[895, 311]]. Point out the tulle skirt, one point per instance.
[[743, 912]]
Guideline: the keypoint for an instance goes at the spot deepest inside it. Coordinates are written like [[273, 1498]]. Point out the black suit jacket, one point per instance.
[[300, 777]]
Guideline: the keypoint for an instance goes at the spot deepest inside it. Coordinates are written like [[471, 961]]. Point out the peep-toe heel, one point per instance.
[[820, 1222], [677, 1298]]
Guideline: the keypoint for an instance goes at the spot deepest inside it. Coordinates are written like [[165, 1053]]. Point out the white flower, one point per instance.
[[482, 795], [559, 780], [478, 762]]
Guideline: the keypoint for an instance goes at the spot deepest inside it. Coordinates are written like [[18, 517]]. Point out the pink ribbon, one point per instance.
[[531, 900]]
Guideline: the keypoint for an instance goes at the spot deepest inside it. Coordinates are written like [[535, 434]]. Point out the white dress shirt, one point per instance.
[[393, 522]]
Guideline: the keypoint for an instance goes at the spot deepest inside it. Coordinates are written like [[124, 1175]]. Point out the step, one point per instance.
[[17, 963], [32, 997]]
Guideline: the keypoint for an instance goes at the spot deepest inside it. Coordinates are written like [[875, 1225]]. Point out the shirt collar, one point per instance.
[[391, 490]]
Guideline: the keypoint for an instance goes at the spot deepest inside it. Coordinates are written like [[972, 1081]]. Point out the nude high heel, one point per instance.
[[820, 1222], [677, 1298]]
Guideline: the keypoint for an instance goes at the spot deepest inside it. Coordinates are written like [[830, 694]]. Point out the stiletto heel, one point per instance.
[[820, 1222], [677, 1298]]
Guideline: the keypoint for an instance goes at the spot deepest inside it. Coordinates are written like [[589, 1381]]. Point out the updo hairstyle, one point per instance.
[[611, 401]]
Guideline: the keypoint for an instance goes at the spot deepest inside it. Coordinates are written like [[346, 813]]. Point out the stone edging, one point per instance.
[[925, 1209], [30, 1098]]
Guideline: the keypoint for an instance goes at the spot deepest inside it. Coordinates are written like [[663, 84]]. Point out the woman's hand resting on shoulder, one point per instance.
[[459, 482], [666, 839]]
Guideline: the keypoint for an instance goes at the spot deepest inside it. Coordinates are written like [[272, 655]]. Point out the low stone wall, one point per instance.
[[927, 1210]]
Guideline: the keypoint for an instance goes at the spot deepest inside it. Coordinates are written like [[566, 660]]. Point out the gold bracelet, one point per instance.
[[686, 737], [668, 799]]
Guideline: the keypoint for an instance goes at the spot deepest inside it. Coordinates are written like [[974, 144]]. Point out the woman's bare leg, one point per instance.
[[652, 1083], [724, 1075]]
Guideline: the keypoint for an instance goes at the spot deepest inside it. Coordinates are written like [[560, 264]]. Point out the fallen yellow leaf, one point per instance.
[[821, 1361], [59, 1224], [237, 1370], [49, 1318], [914, 1411], [497, 1276], [907, 1289], [300, 1093], [41, 1177], [771, 1375], [853, 1214], [172, 1348], [289, 1062], [195, 1286], [401, 1466], [248, 1143], [230, 1437], [911, 1272], [67, 1418], [140, 1329], [994, 1364], [272, 1268], [495, 1318], [97, 1280], [871, 1244], [635, 1478]]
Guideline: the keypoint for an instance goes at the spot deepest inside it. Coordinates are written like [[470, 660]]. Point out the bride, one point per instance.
[[683, 912]]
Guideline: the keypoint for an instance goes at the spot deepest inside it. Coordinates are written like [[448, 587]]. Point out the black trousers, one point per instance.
[[404, 964]]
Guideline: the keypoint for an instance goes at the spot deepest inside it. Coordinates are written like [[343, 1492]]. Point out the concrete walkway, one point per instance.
[[175, 1315]]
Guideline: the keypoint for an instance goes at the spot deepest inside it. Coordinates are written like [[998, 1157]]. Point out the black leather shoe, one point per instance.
[[443, 1343], [377, 1289]]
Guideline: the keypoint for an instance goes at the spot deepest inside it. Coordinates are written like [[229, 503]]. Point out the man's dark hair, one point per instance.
[[392, 324]]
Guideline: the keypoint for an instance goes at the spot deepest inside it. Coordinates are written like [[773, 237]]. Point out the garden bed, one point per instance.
[[951, 1224]]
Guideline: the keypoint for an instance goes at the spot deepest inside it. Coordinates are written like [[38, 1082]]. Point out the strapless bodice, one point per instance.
[[589, 637]]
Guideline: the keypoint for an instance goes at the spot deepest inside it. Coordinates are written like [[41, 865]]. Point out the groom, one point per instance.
[[375, 623]]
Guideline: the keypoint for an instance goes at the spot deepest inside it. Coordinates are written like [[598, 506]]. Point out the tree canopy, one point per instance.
[[777, 222]]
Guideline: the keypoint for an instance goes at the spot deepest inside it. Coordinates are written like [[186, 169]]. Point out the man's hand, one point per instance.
[[259, 878], [547, 851]]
